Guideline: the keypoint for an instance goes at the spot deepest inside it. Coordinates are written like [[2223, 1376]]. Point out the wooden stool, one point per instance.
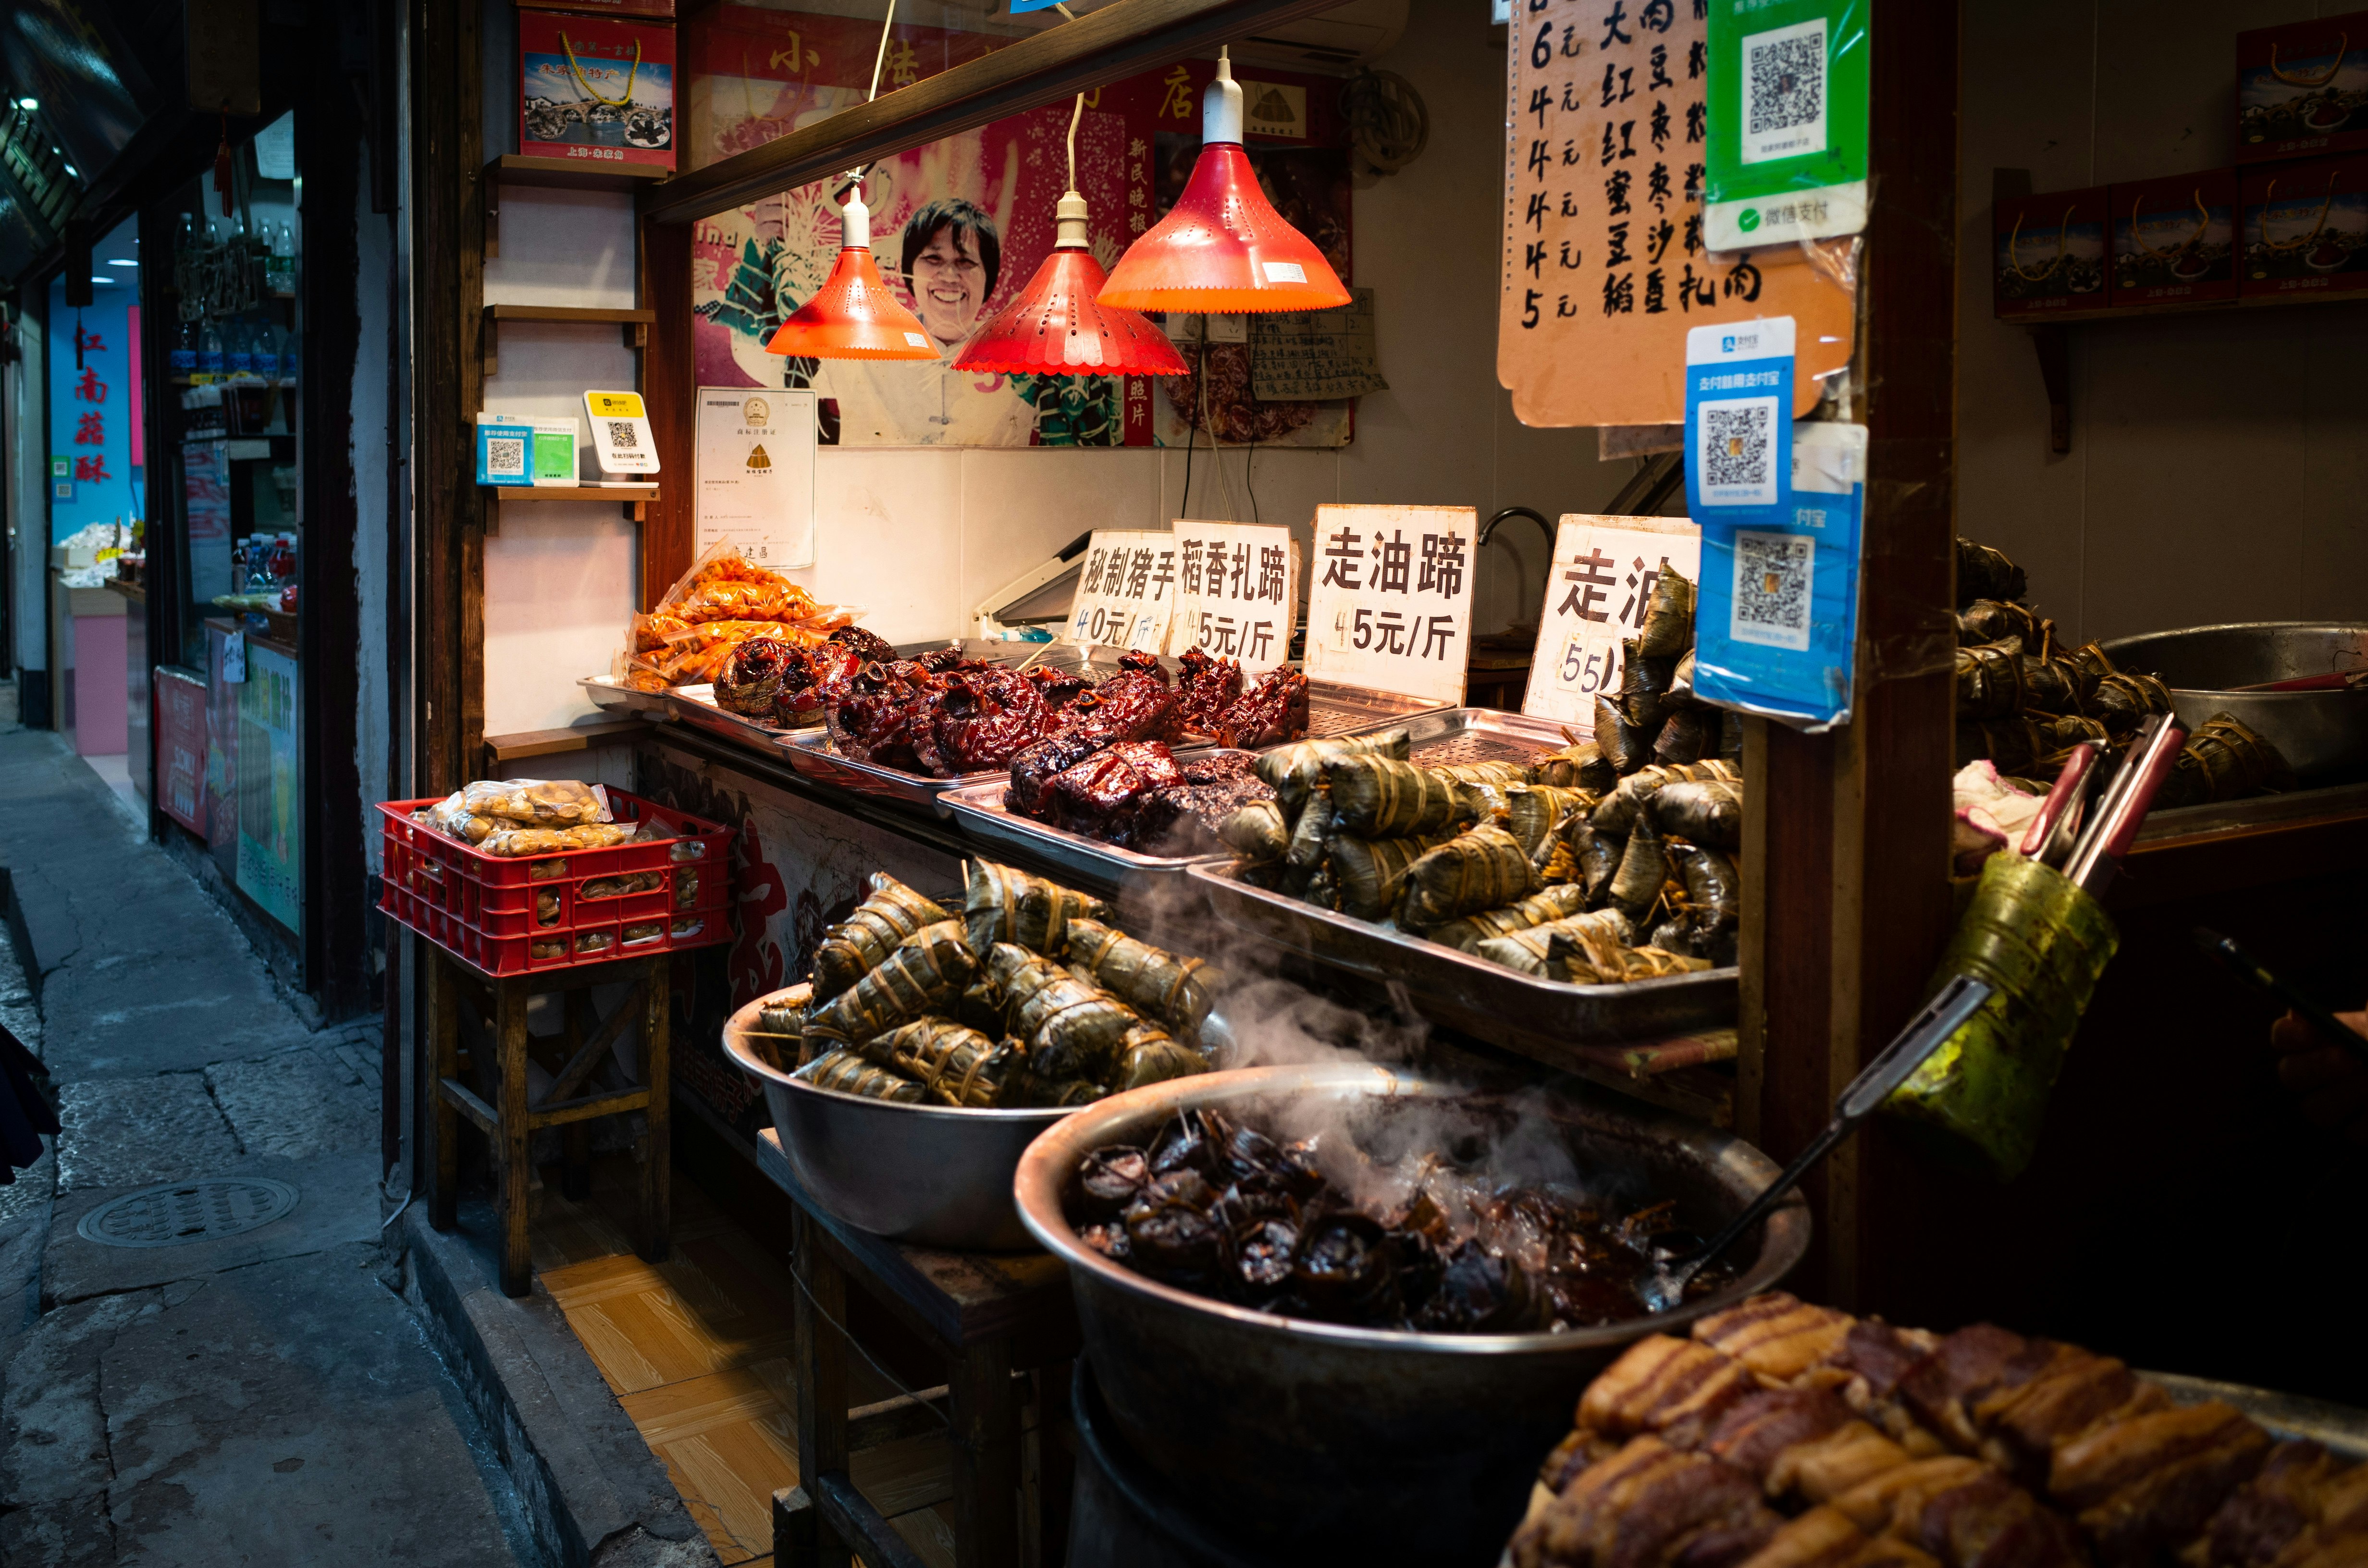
[[500, 1004], [990, 1316]]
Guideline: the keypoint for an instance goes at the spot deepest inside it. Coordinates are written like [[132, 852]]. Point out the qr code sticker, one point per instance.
[[1785, 92], [621, 435], [1773, 575], [1735, 447], [504, 455]]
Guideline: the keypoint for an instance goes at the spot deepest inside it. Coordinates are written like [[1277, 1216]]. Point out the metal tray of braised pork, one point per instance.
[[1077, 859], [1485, 1000], [696, 706], [811, 753]]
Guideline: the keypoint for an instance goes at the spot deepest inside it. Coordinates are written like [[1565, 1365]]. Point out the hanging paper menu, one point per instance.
[[1126, 591], [1605, 263], [1391, 608], [1236, 590], [1604, 569]]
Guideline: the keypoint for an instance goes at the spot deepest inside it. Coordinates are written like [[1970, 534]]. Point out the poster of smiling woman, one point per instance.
[[958, 228]]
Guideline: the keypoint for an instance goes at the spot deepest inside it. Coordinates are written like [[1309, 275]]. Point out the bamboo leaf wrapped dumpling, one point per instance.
[[846, 1072], [1708, 813], [889, 913], [1073, 1028], [1257, 831], [1502, 772], [1532, 810], [781, 1031], [1542, 949], [1644, 869], [1485, 868], [1373, 797], [1625, 746], [1556, 902], [1148, 1055], [1579, 765], [1293, 771], [1179, 992], [1668, 627], [958, 1066], [1001, 905], [1364, 876], [926, 974], [1310, 835]]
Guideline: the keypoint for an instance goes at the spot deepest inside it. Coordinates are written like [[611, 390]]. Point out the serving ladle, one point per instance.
[[1941, 1017]]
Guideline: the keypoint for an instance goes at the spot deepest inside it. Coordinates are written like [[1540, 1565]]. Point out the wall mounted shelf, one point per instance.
[[635, 498], [636, 324], [560, 174]]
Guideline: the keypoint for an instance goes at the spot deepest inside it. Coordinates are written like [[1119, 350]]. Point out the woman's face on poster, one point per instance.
[[948, 284]]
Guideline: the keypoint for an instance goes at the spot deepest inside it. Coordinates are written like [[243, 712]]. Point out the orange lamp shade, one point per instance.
[[1056, 327], [853, 316], [1222, 247]]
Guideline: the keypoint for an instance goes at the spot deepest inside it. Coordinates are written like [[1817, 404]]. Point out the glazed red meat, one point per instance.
[[1208, 687], [1033, 767], [751, 678], [980, 720], [1270, 713], [1138, 707]]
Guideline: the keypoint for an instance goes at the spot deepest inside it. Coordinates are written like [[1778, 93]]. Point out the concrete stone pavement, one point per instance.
[[264, 1399]]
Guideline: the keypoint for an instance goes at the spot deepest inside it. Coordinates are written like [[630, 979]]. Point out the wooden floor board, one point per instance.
[[697, 1350]]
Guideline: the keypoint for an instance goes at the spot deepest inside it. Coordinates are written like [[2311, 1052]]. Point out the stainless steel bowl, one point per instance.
[[2323, 736], [934, 1176], [1322, 1440]]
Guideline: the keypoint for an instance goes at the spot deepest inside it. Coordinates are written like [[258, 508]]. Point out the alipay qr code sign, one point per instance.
[[1784, 155], [1772, 572], [1738, 413]]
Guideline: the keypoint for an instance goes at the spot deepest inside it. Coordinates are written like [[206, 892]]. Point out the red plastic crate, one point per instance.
[[515, 916]]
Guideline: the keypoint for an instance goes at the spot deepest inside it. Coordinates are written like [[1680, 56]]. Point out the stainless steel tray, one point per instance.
[[1334, 710], [811, 753], [695, 706], [1540, 1018], [1440, 737], [614, 696], [1082, 862]]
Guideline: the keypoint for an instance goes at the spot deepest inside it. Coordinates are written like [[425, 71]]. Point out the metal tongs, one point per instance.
[[1942, 1018]]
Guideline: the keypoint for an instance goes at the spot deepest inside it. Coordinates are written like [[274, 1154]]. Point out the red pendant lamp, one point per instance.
[[853, 315], [1055, 326], [1222, 247]]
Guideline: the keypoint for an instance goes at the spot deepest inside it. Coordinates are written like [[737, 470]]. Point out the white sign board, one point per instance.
[[1126, 591], [756, 473], [1236, 591], [1603, 572], [1391, 608]]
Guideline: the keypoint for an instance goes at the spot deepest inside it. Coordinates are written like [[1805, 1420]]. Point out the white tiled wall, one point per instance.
[[918, 536], [2219, 463]]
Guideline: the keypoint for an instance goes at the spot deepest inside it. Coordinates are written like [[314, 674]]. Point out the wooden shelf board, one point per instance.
[[2184, 308], [601, 314], [575, 492], [573, 174]]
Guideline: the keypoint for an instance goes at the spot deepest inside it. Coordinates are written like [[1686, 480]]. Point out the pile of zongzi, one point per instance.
[[1595, 864], [1026, 997]]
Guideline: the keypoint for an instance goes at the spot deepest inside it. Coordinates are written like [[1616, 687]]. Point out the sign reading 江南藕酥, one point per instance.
[[1390, 605]]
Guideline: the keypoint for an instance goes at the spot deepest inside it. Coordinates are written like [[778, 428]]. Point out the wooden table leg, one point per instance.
[[1057, 1463], [986, 1455], [443, 1045], [822, 1386], [576, 1137], [798, 1530], [658, 1192], [514, 1160]]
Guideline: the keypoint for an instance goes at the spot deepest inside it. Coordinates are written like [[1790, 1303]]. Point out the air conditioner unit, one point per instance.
[[1337, 41]]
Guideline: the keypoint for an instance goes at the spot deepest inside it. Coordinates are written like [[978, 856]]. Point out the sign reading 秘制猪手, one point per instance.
[[1390, 607], [1126, 591], [1236, 591], [1603, 572]]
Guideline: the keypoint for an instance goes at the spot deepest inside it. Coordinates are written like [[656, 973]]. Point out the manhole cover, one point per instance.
[[180, 1211]]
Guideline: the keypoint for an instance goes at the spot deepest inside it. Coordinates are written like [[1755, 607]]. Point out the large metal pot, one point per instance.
[[1326, 1441], [2323, 736], [934, 1176]]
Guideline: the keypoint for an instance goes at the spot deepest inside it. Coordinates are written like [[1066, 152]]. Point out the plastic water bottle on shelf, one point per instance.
[[209, 348], [238, 348], [290, 353], [184, 356], [281, 269]]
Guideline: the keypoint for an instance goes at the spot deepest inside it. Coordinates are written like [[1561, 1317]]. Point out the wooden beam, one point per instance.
[[669, 391], [1118, 41], [1845, 876]]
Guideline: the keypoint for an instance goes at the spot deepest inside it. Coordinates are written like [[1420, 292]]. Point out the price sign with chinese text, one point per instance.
[[1237, 586], [1603, 572], [1605, 263], [1126, 591], [1390, 607]]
